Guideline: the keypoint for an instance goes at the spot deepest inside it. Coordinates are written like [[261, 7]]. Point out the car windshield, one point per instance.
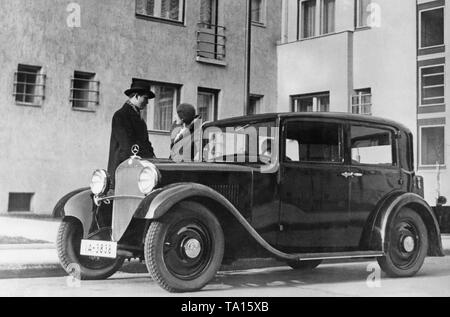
[[244, 143]]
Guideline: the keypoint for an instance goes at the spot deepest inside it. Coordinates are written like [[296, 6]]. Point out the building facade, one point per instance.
[[66, 64], [374, 57]]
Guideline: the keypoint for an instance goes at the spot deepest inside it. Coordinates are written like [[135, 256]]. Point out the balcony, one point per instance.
[[211, 41]]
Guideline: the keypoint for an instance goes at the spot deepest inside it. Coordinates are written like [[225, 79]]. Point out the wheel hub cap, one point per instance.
[[408, 244], [192, 248]]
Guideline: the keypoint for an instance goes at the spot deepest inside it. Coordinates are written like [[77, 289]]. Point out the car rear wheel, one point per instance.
[[184, 249], [68, 244], [304, 265], [408, 245]]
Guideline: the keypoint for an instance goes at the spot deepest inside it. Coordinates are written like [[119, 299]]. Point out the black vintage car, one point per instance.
[[301, 188]]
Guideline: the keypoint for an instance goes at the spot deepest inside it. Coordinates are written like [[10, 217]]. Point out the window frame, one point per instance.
[[160, 19], [420, 27], [91, 104], [341, 141], [263, 14], [424, 166], [358, 15], [258, 104], [302, 20], [27, 197], [40, 81], [394, 144], [359, 93], [322, 18], [215, 104], [421, 86], [151, 105], [315, 97]]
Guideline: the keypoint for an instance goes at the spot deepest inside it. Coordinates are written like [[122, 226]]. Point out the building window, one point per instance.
[[29, 85], [20, 202], [308, 18], [432, 146], [211, 38], [85, 91], [363, 13], [254, 106], [328, 16], [258, 11], [432, 28], [432, 83], [171, 10], [207, 104], [311, 103], [362, 102], [208, 13], [160, 111]]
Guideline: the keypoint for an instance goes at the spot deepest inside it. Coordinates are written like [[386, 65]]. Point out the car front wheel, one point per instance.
[[408, 245], [184, 249], [68, 244]]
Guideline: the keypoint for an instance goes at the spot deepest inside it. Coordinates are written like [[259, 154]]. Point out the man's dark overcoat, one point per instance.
[[128, 129]]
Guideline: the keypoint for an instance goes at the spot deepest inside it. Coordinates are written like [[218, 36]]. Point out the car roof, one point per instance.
[[319, 115]]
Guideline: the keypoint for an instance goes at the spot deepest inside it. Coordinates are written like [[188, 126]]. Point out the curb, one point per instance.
[[13, 271], [37, 246]]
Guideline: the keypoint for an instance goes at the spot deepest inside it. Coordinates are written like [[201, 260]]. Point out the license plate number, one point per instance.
[[101, 249]]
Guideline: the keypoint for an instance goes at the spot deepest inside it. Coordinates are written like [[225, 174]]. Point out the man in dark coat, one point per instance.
[[128, 128]]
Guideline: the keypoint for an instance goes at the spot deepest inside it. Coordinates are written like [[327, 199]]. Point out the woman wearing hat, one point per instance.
[[129, 129]]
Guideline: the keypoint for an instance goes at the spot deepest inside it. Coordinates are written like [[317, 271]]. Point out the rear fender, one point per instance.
[[81, 207], [380, 237]]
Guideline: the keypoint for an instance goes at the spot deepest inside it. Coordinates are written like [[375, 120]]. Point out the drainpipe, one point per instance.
[[248, 40]]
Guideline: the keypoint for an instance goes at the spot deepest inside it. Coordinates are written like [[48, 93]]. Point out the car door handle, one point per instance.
[[351, 174]]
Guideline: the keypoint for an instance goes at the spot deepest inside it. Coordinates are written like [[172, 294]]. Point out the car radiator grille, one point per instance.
[[230, 192]]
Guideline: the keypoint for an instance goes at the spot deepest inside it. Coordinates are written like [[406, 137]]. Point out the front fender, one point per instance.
[[385, 215], [58, 211], [81, 207], [162, 200]]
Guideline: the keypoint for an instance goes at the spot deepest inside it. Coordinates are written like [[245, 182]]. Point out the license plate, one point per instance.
[[101, 249]]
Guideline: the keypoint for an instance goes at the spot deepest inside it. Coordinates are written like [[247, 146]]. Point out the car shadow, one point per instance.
[[326, 274], [284, 276]]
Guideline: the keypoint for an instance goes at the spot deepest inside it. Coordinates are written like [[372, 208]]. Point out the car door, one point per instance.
[[375, 172], [314, 191]]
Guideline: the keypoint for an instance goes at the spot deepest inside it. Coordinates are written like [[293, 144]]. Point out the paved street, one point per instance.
[[349, 279]]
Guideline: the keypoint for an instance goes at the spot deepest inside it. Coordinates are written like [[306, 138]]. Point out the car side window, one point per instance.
[[371, 146], [310, 141]]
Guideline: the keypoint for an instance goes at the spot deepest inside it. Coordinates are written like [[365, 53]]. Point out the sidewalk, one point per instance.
[[33, 259]]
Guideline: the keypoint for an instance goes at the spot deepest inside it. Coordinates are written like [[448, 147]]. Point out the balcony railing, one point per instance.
[[211, 41]]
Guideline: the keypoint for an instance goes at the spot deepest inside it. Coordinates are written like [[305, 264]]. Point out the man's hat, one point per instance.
[[140, 88]]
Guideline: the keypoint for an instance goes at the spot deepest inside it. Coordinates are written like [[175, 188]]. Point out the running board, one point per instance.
[[338, 255]]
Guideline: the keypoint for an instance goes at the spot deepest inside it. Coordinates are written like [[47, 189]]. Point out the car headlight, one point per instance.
[[148, 179], [99, 182]]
